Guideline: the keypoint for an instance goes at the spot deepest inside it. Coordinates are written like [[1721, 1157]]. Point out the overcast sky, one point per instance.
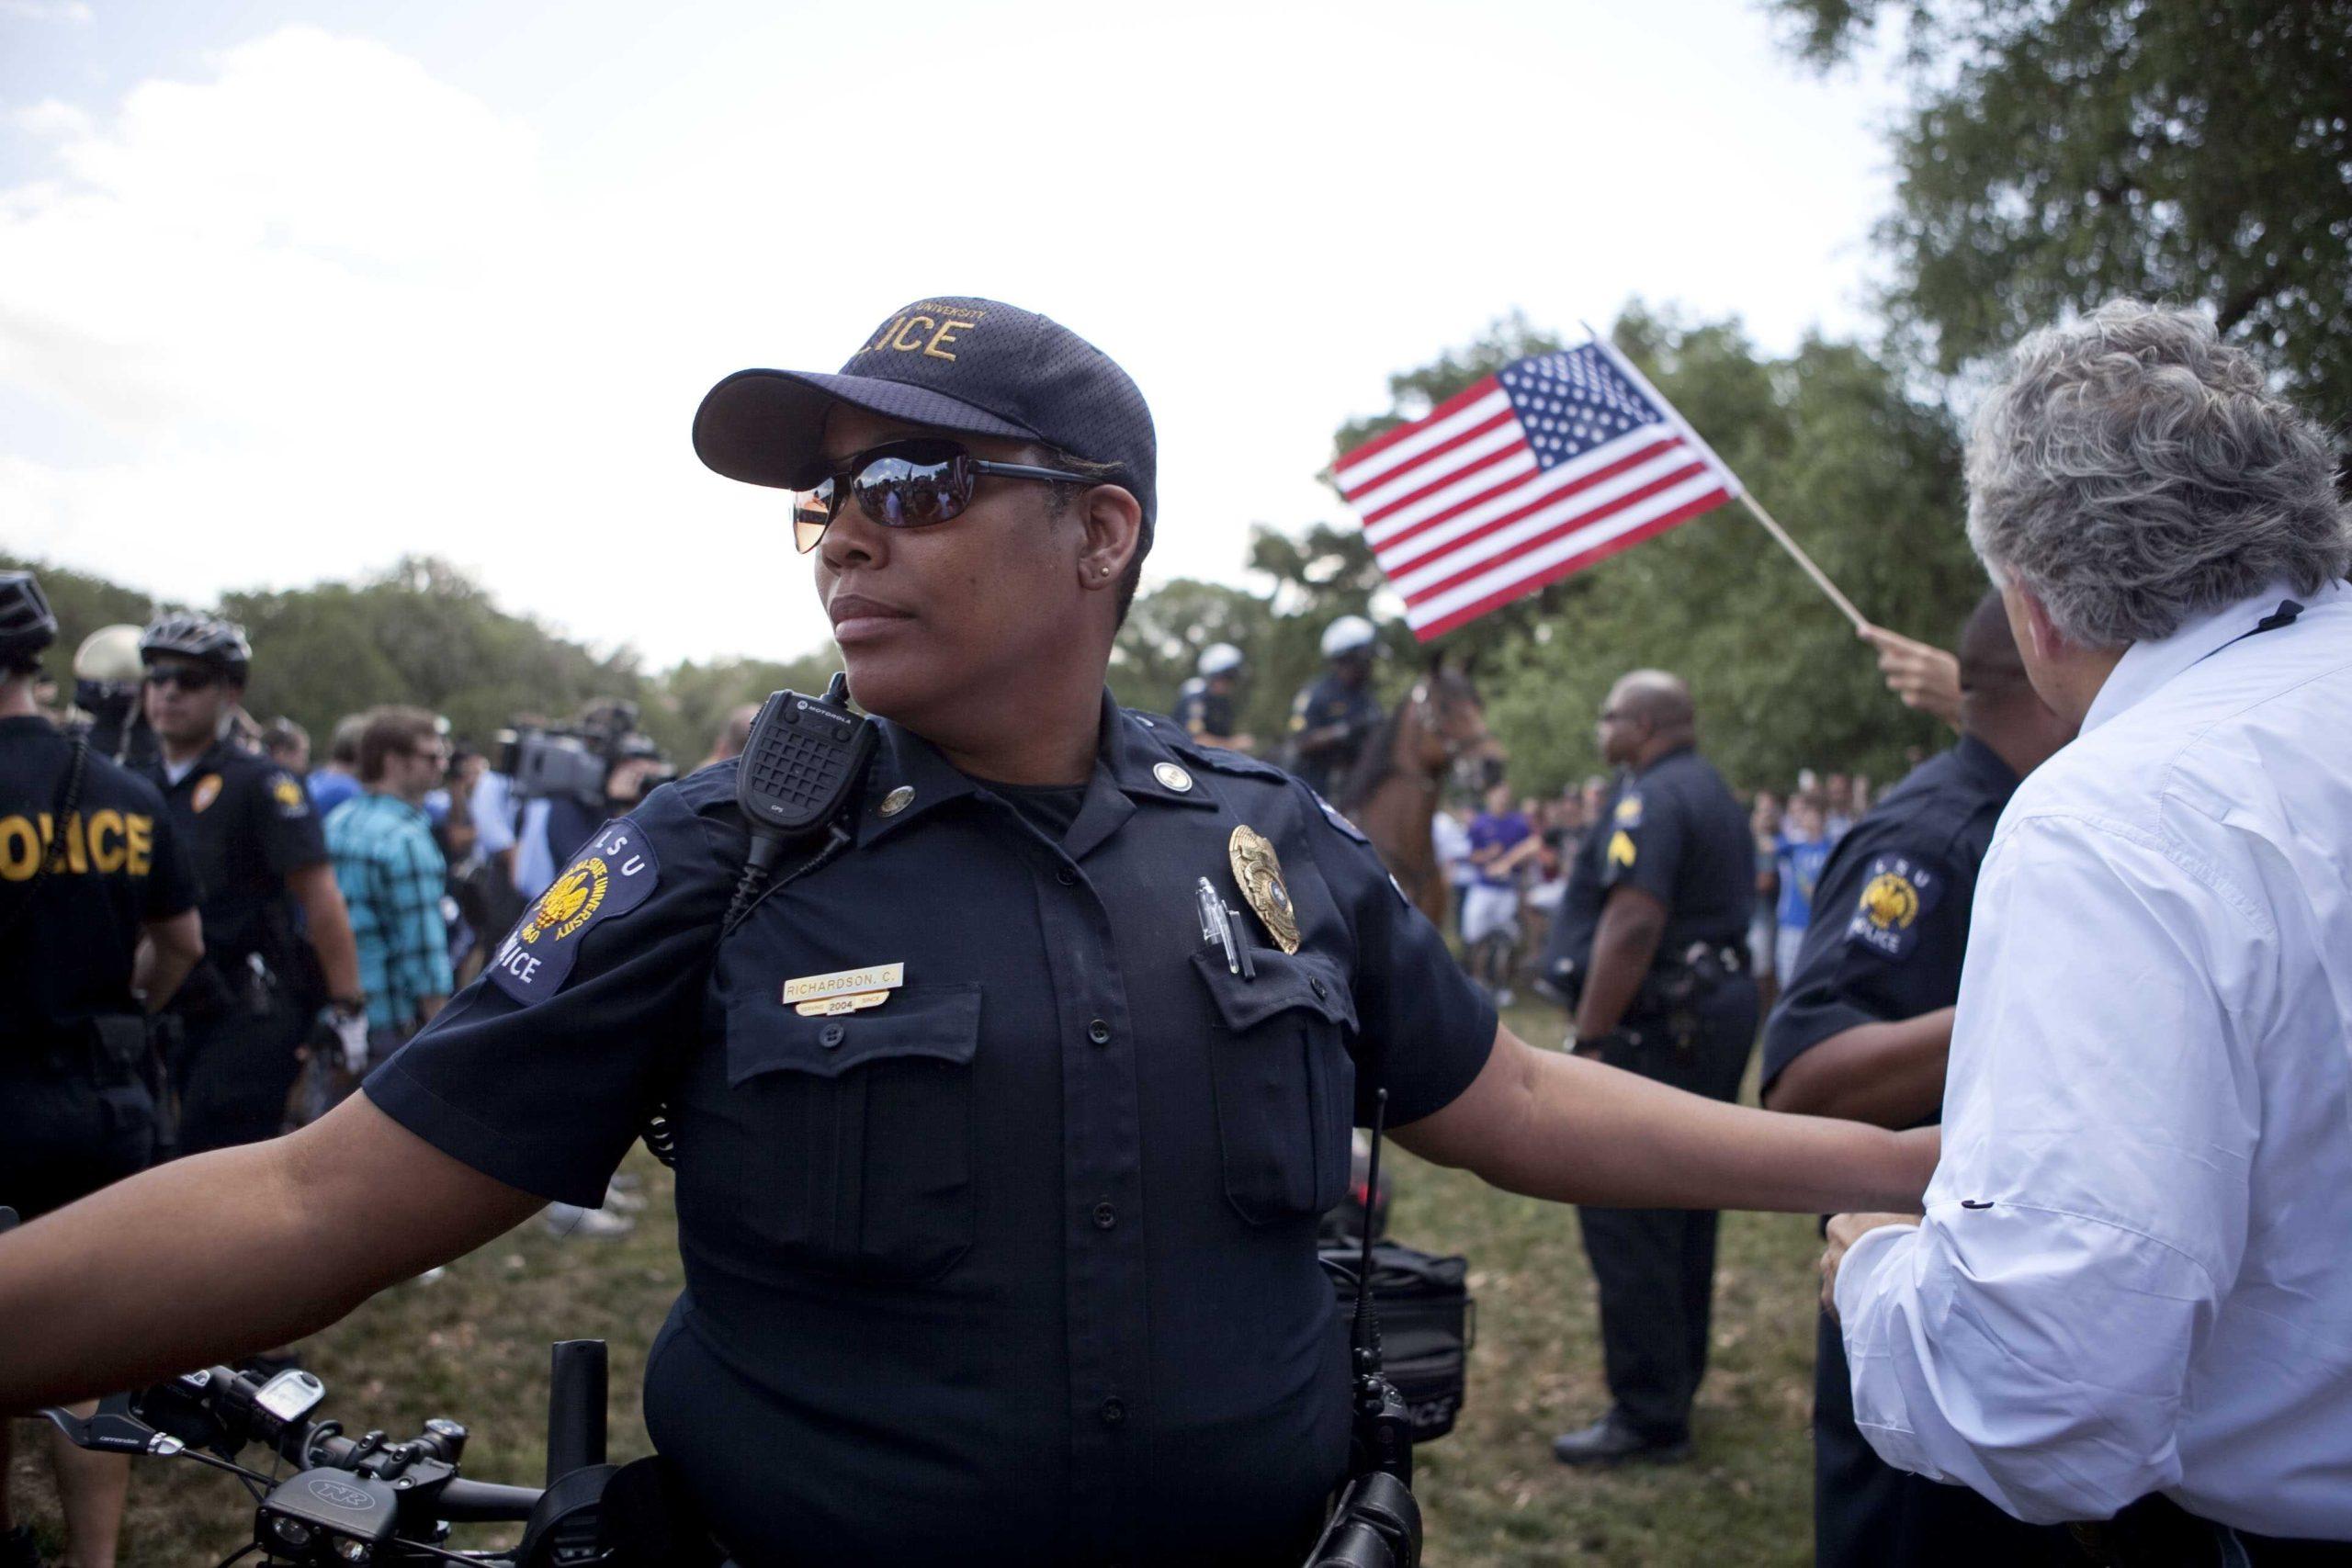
[[287, 290]]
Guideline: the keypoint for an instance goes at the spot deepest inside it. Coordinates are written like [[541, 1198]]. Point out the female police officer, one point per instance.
[[998, 1170]]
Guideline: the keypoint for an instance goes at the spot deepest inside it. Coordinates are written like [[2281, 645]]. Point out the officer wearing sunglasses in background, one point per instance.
[[1001, 1133], [97, 926], [278, 938]]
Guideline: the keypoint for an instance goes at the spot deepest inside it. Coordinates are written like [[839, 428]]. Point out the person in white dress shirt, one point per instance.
[[2130, 1299]]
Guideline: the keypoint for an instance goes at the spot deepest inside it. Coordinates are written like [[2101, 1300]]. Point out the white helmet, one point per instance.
[[1349, 634], [1219, 659], [111, 653]]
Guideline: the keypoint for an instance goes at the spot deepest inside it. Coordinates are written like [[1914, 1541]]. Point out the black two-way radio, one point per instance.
[[800, 764], [1376, 1523]]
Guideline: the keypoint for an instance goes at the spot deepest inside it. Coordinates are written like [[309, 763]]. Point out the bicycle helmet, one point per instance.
[[206, 638], [26, 623]]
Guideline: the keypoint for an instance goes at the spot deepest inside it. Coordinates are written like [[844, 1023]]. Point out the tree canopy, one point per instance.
[[2059, 152]]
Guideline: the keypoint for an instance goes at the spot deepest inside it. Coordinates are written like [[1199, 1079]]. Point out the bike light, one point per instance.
[[323, 1517]]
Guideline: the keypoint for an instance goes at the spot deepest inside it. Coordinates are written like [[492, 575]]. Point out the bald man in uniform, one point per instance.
[[1650, 947]]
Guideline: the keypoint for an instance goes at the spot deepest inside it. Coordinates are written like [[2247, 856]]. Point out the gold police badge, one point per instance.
[[1258, 871]]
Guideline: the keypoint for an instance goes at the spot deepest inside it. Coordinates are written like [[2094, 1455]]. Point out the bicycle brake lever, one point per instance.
[[112, 1429]]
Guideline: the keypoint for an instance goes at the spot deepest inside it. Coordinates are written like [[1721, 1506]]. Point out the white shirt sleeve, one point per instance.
[[2031, 1339]]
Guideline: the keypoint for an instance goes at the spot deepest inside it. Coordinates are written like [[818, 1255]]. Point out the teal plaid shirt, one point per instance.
[[393, 875]]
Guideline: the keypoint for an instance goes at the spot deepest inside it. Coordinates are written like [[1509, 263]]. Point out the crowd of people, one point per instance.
[[2060, 1046]]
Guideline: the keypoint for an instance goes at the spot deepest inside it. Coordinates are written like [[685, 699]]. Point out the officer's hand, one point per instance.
[[1844, 1231], [1924, 676]]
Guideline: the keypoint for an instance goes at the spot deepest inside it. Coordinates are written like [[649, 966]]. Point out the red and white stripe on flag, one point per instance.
[[1539, 470]]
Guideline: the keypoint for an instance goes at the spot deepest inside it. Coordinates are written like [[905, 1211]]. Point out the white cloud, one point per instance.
[[46, 10]]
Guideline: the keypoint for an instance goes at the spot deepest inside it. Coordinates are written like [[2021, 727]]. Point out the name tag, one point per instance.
[[877, 979]]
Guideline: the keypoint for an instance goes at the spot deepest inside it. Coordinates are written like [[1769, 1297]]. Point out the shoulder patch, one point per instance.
[[1339, 819], [1629, 811], [287, 794], [1898, 891], [613, 874]]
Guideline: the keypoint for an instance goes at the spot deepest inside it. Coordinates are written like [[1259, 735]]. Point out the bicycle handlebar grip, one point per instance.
[[483, 1501], [576, 1394]]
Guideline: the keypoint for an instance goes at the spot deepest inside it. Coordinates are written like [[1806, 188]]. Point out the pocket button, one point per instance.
[[1105, 1216], [831, 1035], [1099, 1031]]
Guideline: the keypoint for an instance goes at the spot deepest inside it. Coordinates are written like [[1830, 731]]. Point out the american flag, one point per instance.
[[1538, 470]]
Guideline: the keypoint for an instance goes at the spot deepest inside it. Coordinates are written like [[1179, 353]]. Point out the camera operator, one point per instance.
[[269, 978], [97, 925], [595, 768]]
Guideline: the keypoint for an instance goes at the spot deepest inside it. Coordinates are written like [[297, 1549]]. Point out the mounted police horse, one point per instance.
[[1440, 729]]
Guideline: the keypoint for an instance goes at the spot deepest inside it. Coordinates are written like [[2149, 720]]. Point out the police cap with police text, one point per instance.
[[972, 366]]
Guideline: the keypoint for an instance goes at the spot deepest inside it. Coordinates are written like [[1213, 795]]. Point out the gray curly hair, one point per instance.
[[2133, 471]]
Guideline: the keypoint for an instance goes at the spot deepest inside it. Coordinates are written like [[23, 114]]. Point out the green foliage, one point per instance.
[[423, 633], [2059, 152]]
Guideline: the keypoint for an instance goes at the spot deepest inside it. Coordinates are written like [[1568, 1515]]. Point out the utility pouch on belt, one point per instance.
[[1427, 1324], [119, 1043]]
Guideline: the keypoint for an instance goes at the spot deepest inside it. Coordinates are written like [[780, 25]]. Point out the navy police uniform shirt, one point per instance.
[[1205, 714], [72, 930], [248, 824], [997, 1186], [1675, 831], [1328, 701], [1890, 913]]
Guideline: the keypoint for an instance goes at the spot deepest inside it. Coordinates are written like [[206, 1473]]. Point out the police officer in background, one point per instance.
[[1650, 945], [998, 1177], [279, 962], [1334, 717], [97, 927], [106, 695], [1863, 1030], [1204, 706]]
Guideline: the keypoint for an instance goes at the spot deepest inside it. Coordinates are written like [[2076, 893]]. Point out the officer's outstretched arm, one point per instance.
[[228, 1253], [1572, 1130]]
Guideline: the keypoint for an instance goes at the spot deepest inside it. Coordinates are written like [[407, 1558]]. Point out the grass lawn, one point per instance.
[[473, 1344]]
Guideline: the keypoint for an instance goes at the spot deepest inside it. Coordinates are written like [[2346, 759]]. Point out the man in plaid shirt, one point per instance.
[[392, 874]]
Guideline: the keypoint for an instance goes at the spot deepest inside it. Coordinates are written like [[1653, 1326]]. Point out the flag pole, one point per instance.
[[1820, 578], [1779, 534]]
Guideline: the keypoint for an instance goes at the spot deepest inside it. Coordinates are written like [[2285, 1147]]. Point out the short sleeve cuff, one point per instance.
[[398, 1095], [1450, 1072]]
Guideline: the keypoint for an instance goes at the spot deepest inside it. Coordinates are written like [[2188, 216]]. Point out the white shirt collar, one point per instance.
[[2147, 666]]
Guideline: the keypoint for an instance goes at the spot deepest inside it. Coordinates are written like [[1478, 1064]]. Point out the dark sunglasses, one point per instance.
[[187, 677], [910, 483]]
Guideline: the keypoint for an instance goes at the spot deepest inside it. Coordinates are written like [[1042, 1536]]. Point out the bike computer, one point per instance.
[[290, 1395]]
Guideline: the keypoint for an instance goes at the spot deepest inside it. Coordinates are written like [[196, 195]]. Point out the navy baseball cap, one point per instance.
[[975, 366]]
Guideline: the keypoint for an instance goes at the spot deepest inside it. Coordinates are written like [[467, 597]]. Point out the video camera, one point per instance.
[[577, 761]]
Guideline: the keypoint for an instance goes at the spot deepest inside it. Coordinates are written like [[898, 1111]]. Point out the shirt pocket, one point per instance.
[[1283, 1082], [862, 1159]]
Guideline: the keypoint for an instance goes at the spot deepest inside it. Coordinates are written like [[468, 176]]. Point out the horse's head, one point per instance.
[[1449, 728]]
